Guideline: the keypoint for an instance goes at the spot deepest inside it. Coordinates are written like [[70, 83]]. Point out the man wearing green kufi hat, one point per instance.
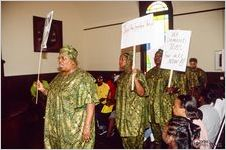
[[160, 97]]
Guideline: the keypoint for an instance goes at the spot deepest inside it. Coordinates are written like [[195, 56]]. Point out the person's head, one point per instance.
[[184, 133], [158, 57], [125, 61], [185, 105], [193, 63], [218, 89], [67, 59], [209, 94], [100, 80]]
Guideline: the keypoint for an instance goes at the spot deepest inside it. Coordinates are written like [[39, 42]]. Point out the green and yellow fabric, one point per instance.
[[66, 110], [160, 102], [187, 82], [33, 88], [196, 77], [131, 111]]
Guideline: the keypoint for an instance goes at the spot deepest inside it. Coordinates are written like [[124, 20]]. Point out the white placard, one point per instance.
[[137, 31], [176, 50], [46, 31], [48, 22]]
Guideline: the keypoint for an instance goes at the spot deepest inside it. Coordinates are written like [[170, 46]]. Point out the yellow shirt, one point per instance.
[[107, 109], [102, 91]]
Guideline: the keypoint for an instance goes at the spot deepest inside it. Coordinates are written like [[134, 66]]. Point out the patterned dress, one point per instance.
[[197, 79], [160, 102], [131, 111], [188, 81], [66, 110]]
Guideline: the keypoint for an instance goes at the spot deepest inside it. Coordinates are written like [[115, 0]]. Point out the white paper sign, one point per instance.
[[176, 50], [46, 31], [137, 31]]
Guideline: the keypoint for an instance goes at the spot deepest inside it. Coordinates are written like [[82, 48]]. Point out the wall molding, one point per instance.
[[174, 15]]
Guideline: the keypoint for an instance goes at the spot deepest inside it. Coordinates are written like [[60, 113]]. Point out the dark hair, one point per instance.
[[193, 60], [159, 51], [183, 131], [218, 89], [211, 93], [189, 104], [100, 77]]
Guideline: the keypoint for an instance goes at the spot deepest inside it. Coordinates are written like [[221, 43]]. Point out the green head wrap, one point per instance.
[[129, 60], [70, 51]]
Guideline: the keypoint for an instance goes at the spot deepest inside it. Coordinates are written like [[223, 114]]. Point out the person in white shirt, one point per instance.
[[211, 117], [219, 104]]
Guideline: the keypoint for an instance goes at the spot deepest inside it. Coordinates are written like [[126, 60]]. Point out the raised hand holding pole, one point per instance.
[[45, 36]]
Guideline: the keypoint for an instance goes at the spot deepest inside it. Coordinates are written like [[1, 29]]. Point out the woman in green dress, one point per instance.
[[131, 107], [71, 98]]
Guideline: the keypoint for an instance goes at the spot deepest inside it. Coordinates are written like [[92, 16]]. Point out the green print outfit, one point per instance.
[[196, 77], [131, 111], [160, 102], [188, 80], [66, 110]]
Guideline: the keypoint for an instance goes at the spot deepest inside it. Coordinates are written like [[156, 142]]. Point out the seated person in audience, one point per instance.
[[111, 98], [180, 133], [219, 104], [104, 117], [211, 118], [112, 85], [102, 89], [111, 121], [186, 120], [102, 92]]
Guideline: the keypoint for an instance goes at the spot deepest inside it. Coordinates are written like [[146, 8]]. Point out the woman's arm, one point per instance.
[[139, 88], [90, 110]]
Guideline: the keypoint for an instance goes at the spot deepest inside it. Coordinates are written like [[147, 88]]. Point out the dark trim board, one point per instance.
[[16, 89]]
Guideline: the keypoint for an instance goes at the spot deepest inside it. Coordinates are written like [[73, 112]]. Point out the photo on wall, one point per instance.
[[219, 60]]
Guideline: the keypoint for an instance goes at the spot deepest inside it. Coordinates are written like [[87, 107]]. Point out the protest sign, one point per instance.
[[176, 50], [137, 31]]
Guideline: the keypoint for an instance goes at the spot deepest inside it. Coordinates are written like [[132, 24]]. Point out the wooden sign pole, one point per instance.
[[133, 67]]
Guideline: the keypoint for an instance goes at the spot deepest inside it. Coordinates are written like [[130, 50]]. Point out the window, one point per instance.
[[163, 21]]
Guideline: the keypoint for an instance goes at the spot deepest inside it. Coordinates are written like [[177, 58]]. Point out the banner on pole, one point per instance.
[[176, 50], [46, 31], [137, 31]]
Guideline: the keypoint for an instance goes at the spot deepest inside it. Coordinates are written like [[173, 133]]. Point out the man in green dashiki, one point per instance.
[[187, 81], [197, 78], [71, 98], [131, 106], [160, 96]]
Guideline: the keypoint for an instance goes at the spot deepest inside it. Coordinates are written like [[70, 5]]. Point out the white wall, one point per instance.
[[17, 34], [99, 49], [207, 30], [102, 45]]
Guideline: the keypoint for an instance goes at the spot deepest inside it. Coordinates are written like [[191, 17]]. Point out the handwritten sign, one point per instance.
[[137, 31], [47, 26], [176, 50]]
